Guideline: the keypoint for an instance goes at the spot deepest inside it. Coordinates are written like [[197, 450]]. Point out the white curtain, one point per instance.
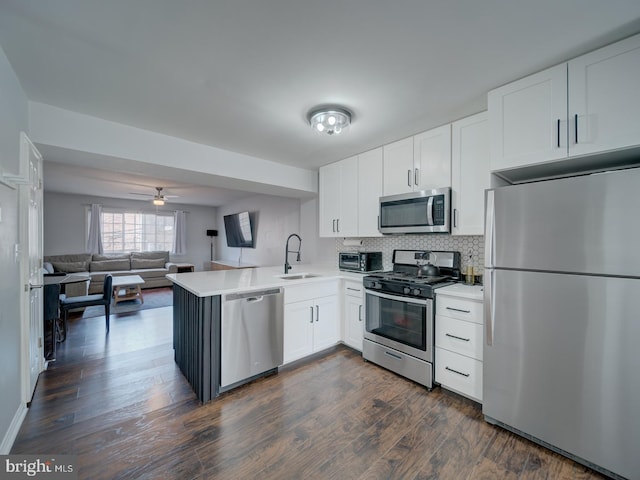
[[180, 231], [94, 240]]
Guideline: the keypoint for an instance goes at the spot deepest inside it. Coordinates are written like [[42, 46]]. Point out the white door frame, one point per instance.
[[27, 149]]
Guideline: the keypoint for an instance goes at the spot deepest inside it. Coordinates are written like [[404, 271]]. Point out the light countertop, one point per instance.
[[472, 292], [210, 283]]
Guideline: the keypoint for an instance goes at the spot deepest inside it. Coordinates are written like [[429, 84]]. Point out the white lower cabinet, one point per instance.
[[458, 363], [353, 314], [311, 319], [459, 373]]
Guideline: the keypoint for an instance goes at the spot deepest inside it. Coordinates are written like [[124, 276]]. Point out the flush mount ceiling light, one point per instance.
[[330, 120]]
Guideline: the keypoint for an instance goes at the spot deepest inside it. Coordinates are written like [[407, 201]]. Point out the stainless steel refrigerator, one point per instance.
[[562, 316]]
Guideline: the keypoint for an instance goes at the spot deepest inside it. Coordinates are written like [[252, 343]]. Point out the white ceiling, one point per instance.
[[242, 74]]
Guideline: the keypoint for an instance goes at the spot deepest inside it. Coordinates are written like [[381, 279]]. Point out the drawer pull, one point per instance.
[[457, 338], [393, 355], [353, 289], [455, 371], [458, 310]]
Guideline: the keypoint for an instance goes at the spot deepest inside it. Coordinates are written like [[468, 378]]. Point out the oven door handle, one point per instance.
[[399, 298]]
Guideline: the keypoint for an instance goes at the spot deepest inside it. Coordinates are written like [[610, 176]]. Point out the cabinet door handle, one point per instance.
[[455, 217], [416, 176], [353, 289], [457, 338], [455, 371], [458, 310], [558, 133], [575, 126], [338, 225], [409, 178], [333, 225], [359, 313], [311, 314], [317, 313]]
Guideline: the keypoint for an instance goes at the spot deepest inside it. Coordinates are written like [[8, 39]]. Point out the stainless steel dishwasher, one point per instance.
[[251, 335]]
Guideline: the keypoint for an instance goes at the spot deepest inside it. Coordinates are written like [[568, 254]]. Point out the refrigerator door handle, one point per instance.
[[489, 301], [489, 229]]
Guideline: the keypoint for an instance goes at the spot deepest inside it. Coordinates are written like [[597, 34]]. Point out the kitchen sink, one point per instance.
[[298, 276]]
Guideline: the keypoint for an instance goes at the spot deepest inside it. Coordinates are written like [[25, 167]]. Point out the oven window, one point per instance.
[[397, 320]]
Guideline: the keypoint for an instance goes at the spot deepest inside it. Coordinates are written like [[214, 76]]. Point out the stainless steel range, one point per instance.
[[399, 312]]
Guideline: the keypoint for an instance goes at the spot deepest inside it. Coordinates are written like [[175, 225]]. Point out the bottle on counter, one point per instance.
[[469, 275]]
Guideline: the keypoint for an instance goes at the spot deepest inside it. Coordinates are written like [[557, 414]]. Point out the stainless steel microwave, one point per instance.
[[427, 211], [360, 261]]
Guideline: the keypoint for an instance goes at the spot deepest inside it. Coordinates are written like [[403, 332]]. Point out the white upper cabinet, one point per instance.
[[339, 199], [418, 163], [432, 158], [528, 120], [398, 167], [470, 174], [604, 97], [587, 105], [369, 192]]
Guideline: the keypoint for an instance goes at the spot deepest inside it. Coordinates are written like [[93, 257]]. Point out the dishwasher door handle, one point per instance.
[[252, 296]]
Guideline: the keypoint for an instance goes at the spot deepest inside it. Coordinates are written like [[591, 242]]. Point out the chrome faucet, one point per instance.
[[287, 267]]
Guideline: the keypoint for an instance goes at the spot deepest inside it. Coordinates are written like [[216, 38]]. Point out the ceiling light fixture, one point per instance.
[[158, 201], [330, 120]]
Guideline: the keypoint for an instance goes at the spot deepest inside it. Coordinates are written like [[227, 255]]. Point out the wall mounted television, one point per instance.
[[239, 230]]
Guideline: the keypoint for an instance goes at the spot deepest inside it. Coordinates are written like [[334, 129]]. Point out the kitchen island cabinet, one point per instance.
[[198, 301], [311, 319], [196, 327]]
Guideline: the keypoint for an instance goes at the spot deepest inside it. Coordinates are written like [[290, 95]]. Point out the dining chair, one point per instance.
[[103, 298], [51, 314]]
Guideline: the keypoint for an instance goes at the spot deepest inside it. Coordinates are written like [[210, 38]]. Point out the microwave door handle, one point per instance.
[[430, 211]]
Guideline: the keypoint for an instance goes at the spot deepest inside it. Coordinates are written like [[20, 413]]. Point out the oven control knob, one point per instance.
[[416, 291], [406, 291]]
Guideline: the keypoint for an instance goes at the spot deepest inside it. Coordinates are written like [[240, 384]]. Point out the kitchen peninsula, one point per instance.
[[199, 301]]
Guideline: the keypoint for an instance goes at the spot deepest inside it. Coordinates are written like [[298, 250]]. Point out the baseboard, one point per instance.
[[14, 428]]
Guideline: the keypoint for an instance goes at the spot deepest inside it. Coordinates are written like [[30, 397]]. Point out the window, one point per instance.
[[124, 231]]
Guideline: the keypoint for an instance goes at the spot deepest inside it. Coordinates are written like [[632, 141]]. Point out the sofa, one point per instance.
[[151, 266]]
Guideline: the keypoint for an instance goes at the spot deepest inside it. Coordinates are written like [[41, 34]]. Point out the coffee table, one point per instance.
[[127, 287]]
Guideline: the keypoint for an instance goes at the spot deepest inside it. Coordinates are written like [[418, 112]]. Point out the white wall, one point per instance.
[[136, 150], [65, 224], [13, 119], [277, 218]]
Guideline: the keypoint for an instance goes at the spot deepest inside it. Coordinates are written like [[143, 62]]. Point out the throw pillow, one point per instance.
[[110, 265], [147, 263], [98, 258], [162, 254], [70, 267]]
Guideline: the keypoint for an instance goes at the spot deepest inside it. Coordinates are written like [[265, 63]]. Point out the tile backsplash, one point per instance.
[[467, 245]]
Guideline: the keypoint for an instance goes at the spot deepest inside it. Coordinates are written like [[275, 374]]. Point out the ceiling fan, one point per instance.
[[159, 198]]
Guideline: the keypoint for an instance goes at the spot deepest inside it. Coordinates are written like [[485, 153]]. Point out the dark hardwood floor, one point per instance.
[[120, 403]]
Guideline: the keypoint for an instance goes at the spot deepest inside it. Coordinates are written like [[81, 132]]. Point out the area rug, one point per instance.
[[153, 298]]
